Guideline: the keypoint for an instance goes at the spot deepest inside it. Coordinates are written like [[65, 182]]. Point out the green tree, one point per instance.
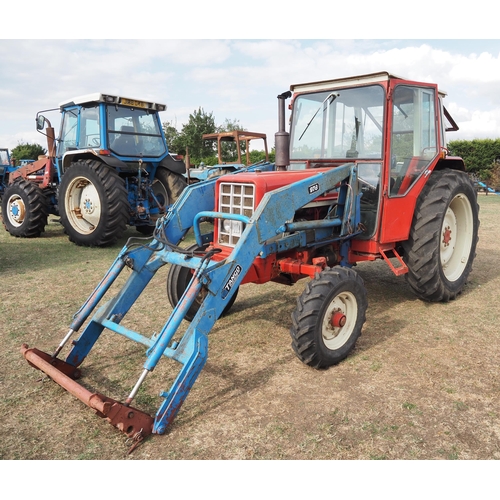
[[173, 137], [199, 123], [26, 151], [229, 126]]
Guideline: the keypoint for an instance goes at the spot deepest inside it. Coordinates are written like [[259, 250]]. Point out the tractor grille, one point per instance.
[[234, 199]]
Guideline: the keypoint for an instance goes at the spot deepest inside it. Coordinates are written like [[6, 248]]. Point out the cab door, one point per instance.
[[413, 153]]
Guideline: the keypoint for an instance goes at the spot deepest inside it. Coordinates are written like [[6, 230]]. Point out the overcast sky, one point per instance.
[[238, 78]]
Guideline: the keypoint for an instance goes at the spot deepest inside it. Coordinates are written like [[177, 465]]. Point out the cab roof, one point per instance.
[[381, 76], [112, 99]]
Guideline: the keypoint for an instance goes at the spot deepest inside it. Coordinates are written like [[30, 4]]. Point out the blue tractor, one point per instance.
[[110, 166]]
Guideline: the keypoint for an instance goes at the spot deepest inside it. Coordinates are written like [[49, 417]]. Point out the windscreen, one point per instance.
[[134, 132], [345, 123]]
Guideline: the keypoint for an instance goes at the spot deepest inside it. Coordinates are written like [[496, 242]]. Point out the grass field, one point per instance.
[[422, 383]]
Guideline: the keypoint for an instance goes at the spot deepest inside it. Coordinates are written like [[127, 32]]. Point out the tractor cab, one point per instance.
[[109, 126], [392, 129], [4, 160]]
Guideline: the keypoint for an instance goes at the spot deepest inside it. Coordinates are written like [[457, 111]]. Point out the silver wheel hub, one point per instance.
[[336, 332]]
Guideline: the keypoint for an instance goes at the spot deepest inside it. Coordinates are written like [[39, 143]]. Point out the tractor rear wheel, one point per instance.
[[167, 187], [93, 204], [178, 280], [24, 209], [443, 237], [329, 317]]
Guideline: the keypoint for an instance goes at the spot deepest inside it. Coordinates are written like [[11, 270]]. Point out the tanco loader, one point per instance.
[[108, 167], [363, 174]]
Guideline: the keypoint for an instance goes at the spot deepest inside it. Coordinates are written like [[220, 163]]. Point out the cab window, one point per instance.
[[67, 139], [414, 137]]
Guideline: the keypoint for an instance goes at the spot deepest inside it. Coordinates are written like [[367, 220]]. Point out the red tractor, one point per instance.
[[363, 174]]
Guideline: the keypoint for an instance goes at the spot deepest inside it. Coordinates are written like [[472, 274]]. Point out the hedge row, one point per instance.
[[481, 156]]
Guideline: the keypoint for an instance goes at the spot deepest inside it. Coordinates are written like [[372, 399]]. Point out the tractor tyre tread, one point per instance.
[[306, 318], [175, 183], [422, 249]]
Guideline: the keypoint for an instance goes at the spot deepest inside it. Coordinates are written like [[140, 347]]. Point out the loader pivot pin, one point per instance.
[[338, 320]]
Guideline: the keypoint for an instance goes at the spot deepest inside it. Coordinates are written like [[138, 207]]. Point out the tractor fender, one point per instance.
[[89, 154], [176, 166], [451, 162]]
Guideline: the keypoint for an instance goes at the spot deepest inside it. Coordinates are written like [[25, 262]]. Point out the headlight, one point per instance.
[[235, 227]]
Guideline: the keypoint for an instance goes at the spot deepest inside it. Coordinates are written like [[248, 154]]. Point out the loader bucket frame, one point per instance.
[[220, 278]]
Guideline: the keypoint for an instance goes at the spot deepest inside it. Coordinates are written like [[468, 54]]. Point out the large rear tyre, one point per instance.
[[24, 209], [329, 317], [93, 204], [167, 187], [442, 245], [178, 279]]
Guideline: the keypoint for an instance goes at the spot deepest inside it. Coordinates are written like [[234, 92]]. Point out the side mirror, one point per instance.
[[40, 122]]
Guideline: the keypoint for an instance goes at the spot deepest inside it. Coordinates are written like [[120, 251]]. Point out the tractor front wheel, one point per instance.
[[329, 317], [93, 204], [24, 209], [443, 237], [178, 280]]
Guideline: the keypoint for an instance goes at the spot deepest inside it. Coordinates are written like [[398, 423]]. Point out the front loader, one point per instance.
[[362, 175]]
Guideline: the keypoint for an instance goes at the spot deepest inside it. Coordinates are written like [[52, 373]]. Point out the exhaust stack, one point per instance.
[[282, 137]]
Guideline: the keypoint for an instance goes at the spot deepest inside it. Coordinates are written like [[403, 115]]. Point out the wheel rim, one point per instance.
[[343, 305], [16, 210], [456, 237], [83, 205]]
